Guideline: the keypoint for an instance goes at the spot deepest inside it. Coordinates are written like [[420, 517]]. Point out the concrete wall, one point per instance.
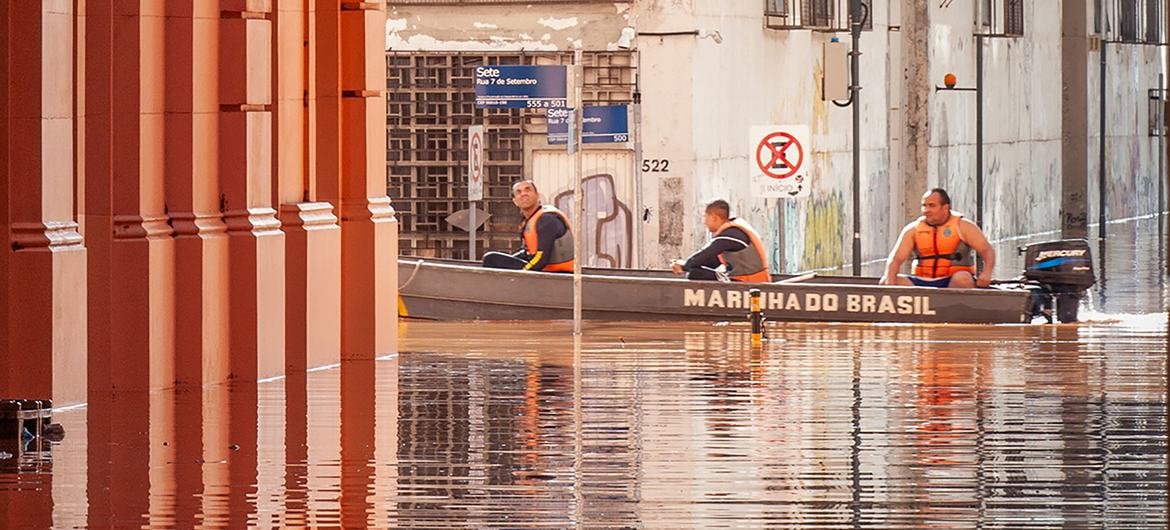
[[1021, 104], [505, 27], [720, 71], [1131, 156], [1022, 122], [697, 111], [760, 76]]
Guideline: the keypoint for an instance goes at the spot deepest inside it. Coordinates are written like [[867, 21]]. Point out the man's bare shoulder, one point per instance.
[[968, 226]]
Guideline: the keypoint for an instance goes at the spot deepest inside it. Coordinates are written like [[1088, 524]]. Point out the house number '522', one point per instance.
[[655, 165]]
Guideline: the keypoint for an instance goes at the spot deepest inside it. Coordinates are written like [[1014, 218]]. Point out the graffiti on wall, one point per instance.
[[607, 230], [824, 233]]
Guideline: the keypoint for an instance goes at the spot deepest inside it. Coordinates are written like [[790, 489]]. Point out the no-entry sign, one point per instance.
[[777, 160], [475, 163]]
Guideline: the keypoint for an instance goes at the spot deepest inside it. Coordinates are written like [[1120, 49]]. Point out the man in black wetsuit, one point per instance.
[[545, 235], [735, 245]]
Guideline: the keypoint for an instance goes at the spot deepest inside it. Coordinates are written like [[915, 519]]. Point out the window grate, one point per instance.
[[430, 102], [1131, 21]]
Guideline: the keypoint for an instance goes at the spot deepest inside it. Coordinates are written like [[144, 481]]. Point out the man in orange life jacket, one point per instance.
[[544, 234], [940, 242], [735, 244]]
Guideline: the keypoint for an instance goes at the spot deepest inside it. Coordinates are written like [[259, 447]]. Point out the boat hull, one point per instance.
[[446, 290]]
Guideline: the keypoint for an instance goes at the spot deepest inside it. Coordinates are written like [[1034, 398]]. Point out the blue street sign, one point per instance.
[[608, 124], [558, 126], [519, 87]]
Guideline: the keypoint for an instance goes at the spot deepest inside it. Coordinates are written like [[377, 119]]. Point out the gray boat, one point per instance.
[[1055, 277]]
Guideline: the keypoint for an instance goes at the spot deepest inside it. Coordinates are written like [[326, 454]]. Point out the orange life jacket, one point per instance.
[[939, 251], [561, 259], [749, 264]]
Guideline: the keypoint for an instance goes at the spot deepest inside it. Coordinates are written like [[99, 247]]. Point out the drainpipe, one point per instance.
[[979, 129], [1101, 149], [639, 206]]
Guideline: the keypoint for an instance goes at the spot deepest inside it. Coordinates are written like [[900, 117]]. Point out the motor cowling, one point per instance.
[[1063, 271]]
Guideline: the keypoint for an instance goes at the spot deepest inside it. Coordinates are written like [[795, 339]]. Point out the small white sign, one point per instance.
[[573, 132], [778, 160], [475, 163]]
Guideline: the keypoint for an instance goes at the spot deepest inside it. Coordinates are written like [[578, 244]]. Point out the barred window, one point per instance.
[[1098, 14], [827, 15], [1001, 18], [1013, 17], [1131, 21], [430, 101], [1153, 21], [1128, 21], [819, 13]]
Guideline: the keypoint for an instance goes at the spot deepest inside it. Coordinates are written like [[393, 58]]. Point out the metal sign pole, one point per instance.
[[855, 94], [1161, 125], [475, 139], [1101, 149], [578, 196]]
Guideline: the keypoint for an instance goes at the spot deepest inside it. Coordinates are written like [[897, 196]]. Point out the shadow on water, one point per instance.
[[653, 425]]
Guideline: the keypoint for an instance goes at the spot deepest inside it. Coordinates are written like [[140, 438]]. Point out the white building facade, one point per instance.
[[706, 71]]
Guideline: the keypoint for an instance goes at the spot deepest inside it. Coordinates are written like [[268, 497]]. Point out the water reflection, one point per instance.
[[652, 425], [679, 426]]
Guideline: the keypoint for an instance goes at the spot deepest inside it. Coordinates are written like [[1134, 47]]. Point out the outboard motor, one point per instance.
[[1060, 273]]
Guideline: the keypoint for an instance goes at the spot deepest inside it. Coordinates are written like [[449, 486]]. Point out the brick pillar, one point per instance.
[[42, 261], [312, 235], [193, 194], [256, 244], [369, 231]]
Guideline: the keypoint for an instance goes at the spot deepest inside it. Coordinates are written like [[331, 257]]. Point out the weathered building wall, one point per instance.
[[532, 27], [1131, 155], [1021, 116], [1022, 122], [753, 76], [709, 70]]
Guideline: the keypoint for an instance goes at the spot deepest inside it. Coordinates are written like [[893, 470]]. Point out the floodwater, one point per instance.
[[658, 426]]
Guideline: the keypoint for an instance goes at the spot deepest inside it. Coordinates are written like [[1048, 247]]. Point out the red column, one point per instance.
[[99, 178], [312, 236], [369, 231], [100, 416], [192, 192], [131, 272], [256, 244], [42, 352]]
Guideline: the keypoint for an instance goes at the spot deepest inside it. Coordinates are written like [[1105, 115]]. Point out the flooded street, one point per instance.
[[676, 425]]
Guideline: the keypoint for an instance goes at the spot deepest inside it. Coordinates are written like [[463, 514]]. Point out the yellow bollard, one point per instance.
[[757, 318]]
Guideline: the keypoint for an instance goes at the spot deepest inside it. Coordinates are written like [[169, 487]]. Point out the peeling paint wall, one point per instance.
[[1131, 155], [532, 27], [1022, 122], [709, 70], [759, 76]]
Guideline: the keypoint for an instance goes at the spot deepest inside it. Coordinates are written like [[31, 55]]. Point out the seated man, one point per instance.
[[735, 244], [941, 242], [547, 239]]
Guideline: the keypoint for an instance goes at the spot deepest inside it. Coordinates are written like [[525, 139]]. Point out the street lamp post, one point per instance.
[[856, 20], [949, 82]]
